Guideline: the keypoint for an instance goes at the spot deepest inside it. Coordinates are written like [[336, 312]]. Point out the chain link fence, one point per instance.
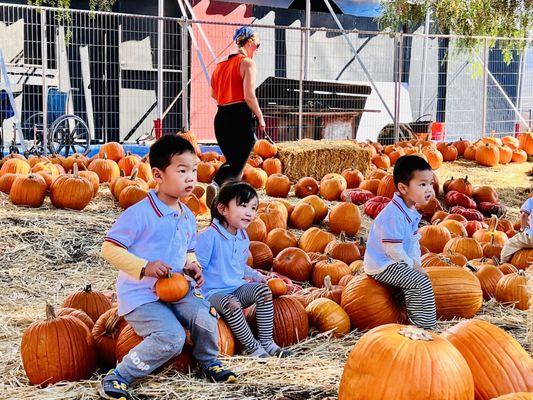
[[118, 73]]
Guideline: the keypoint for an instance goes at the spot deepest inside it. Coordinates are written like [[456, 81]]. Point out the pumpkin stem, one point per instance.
[[471, 268], [327, 283], [75, 169], [105, 156], [330, 259], [88, 288], [342, 236], [50, 313], [414, 333], [134, 173]]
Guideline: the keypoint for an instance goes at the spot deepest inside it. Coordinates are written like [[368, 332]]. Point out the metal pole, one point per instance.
[[398, 45], [485, 89], [424, 64], [184, 74], [301, 87], [521, 78], [119, 80], [160, 27], [307, 37], [202, 33], [105, 84], [44, 66], [361, 63]]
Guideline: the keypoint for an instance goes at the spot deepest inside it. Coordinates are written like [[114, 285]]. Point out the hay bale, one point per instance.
[[317, 158]]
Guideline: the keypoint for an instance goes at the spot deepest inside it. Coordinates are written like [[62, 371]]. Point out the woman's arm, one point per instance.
[[248, 71]]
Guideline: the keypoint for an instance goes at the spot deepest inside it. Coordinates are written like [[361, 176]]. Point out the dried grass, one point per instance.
[[47, 253], [317, 158]]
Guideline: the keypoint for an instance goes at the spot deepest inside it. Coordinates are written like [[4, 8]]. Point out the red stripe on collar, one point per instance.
[[401, 209], [218, 230], [154, 205]]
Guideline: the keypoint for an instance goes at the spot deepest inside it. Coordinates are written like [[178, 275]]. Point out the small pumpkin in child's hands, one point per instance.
[[172, 288], [277, 286]]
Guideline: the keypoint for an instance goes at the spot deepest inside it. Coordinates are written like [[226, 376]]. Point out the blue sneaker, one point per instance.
[[217, 373], [113, 387]]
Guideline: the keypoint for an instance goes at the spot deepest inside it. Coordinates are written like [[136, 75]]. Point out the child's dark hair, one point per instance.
[[405, 167], [162, 151], [242, 192]]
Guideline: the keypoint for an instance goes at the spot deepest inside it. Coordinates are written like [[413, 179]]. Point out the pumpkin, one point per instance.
[[105, 333], [277, 286], [331, 186], [492, 249], [485, 194], [434, 237], [54, 169], [372, 185], [381, 161], [498, 363], [490, 235], [519, 156], [417, 364], [345, 217], [291, 324], [256, 177], [266, 148], [506, 154], [93, 178], [394, 155], [32, 160], [429, 209], [470, 152], [468, 247], [522, 258], [261, 254], [490, 209], [71, 191], [457, 292], [255, 160], [320, 207], [76, 158], [172, 287], [210, 156], [356, 196], [129, 162], [449, 152], [112, 150], [28, 190], [294, 263], [315, 240], [127, 339], [386, 187], [206, 171], [353, 177], [376, 174], [257, 230], [525, 142], [328, 290], [387, 305], [455, 198], [327, 315], [133, 194], [6, 181], [57, 159], [191, 138], [345, 279], [516, 396], [343, 250], [123, 182], [511, 141], [226, 340], [512, 289], [81, 315], [279, 239], [302, 216], [272, 166], [335, 269], [277, 185], [461, 146], [436, 260], [461, 185], [434, 158], [273, 218], [455, 228], [488, 276], [469, 213], [456, 217], [15, 166], [105, 169], [439, 216], [375, 205], [145, 172], [57, 349], [306, 186], [488, 155], [93, 303]]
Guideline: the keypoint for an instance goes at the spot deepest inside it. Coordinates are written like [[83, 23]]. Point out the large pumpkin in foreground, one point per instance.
[[498, 363], [405, 363], [58, 349]]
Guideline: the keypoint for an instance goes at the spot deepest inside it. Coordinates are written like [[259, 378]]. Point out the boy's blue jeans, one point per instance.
[[163, 327]]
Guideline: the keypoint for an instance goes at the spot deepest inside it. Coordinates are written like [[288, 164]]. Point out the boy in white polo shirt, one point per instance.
[[524, 239], [149, 239], [393, 250]]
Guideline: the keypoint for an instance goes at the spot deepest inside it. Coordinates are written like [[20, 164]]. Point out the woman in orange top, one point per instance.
[[233, 87]]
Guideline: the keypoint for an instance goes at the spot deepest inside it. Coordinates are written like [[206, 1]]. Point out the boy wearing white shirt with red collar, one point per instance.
[[393, 250]]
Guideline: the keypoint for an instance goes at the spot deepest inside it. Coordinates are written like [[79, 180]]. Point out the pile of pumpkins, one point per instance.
[[488, 151]]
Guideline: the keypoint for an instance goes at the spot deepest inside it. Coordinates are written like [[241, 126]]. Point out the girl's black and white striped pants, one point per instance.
[[418, 292], [230, 307]]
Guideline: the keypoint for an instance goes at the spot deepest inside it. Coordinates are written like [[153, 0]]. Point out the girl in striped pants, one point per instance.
[[222, 250]]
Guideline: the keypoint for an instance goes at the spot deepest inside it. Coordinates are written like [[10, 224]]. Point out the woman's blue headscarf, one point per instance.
[[242, 34]]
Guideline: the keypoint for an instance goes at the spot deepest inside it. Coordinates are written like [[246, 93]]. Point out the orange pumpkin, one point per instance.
[[256, 177], [345, 217], [129, 162], [331, 186], [335, 269], [277, 286], [327, 315], [15, 166], [511, 289], [28, 190], [111, 150], [279, 239], [105, 169], [277, 185], [303, 216], [262, 255], [306, 186], [293, 263], [315, 240], [266, 148], [353, 177], [105, 333], [525, 141], [386, 187], [272, 166], [320, 207], [488, 155], [172, 288]]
